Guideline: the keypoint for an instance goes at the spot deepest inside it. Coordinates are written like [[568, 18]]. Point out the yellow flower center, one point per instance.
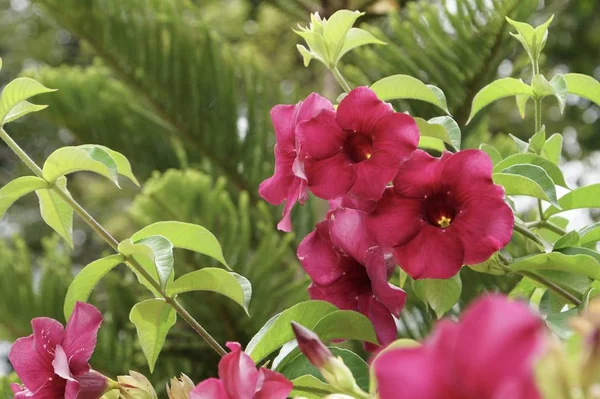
[[444, 222]]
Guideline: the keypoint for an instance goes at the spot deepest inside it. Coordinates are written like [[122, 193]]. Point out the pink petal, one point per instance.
[[341, 295], [330, 178], [90, 385], [419, 176], [61, 364], [53, 389], [468, 174], [360, 110], [284, 122], [296, 191], [380, 316], [211, 388], [433, 253], [32, 356], [311, 106], [398, 134], [80, 336], [373, 175], [274, 385], [348, 232], [275, 189], [72, 390], [320, 136], [484, 226], [395, 220], [392, 297], [238, 373], [318, 257], [352, 203]]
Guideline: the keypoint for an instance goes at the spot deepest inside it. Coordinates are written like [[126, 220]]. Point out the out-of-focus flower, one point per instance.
[[350, 272], [180, 388], [442, 213], [53, 361], [588, 327], [239, 379], [357, 149], [489, 354], [288, 183]]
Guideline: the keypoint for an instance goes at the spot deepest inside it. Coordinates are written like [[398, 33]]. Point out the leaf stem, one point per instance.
[[340, 79], [529, 234], [549, 226], [114, 244]]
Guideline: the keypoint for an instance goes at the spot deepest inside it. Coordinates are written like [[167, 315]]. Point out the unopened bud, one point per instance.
[[180, 388], [311, 346], [136, 386], [339, 376]]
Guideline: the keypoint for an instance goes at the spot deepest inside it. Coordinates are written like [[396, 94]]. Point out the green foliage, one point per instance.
[[526, 179], [405, 87], [496, 90], [55, 211], [12, 101], [17, 188], [441, 295]]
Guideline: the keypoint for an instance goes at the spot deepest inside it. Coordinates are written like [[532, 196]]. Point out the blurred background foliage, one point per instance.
[[183, 88]]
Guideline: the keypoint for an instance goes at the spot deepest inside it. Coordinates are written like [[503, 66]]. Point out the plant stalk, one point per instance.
[[530, 235], [549, 226], [114, 244], [340, 79]]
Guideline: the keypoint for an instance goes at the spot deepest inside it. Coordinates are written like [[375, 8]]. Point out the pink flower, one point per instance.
[[489, 354], [239, 379], [442, 213], [349, 271], [288, 183], [358, 149], [53, 361]]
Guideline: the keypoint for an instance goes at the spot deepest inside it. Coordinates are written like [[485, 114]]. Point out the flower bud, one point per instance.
[[311, 346], [339, 376], [180, 388], [135, 386]]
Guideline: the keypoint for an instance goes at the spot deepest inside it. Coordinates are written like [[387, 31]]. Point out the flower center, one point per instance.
[[358, 147], [440, 209]]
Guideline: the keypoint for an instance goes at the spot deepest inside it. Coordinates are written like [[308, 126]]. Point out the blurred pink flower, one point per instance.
[[53, 361], [239, 379], [489, 354]]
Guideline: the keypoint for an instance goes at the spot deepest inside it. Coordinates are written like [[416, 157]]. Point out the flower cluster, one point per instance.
[[390, 203]]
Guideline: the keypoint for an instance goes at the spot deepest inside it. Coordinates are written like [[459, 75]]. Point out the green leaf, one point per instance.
[[355, 38], [522, 103], [310, 387], [570, 239], [541, 34], [67, 160], [496, 90], [528, 158], [17, 91], [559, 322], [431, 143], [521, 145], [56, 212], [451, 127], [16, 189], [526, 35], [157, 248], [537, 141], [559, 84], [335, 31], [590, 234], [441, 97], [85, 281], [553, 148], [122, 163], [436, 130], [277, 330], [579, 264], [405, 87], [153, 319], [440, 294], [527, 180], [187, 236], [229, 284], [345, 324], [541, 87], [21, 109], [583, 86], [583, 197], [492, 152]]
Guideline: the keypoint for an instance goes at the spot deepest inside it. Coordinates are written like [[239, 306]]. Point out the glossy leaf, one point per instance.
[[355, 38], [153, 319], [568, 240], [438, 131], [431, 143], [17, 91], [310, 387], [527, 180], [187, 236], [496, 90], [521, 145], [336, 28], [553, 148], [85, 281], [440, 294], [405, 87], [537, 141], [21, 109], [229, 284], [579, 263], [56, 212], [590, 234], [157, 248], [541, 87], [494, 154], [345, 324], [583, 197], [17, 188], [277, 330], [583, 86], [559, 84], [522, 103], [451, 128], [528, 158], [68, 160]]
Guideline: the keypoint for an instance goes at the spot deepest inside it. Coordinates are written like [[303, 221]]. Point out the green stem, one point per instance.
[[529, 234], [549, 226], [114, 244], [340, 79], [551, 286]]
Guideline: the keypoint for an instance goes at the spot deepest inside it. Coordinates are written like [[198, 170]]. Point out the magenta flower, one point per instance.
[[53, 361], [442, 213], [489, 354], [349, 271], [288, 183], [239, 379], [358, 149]]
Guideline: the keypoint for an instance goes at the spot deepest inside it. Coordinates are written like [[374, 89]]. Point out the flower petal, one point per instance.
[[238, 373], [373, 175], [320, 136], [80, 336], [274, 190], [433, 253], [53, 389], [318, 257], [352, 203], [419, 176], [330, 178], [295, 193], [274, 385], [484, 226], [380, 316], [311, 106], [284, 122], [348, 232], [61, 363], [392, 297], [360, 110], [211, 388], [395, 220], [398, 134]]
